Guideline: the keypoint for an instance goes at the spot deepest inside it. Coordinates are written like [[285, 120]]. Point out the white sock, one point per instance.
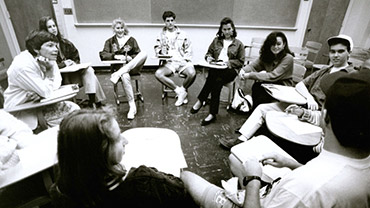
[[132, 105]]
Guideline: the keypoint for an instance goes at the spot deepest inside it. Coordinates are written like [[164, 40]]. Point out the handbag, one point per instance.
[[241, 103]]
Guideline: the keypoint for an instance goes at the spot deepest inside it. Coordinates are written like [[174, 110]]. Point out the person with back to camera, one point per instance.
[[33, 75], [124, 47], [339, 49], [338, 177], [89, 173], [174, 42], [67, 56], [230, 50]]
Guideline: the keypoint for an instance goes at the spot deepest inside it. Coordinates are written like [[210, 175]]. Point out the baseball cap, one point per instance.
[[348, 106], [341, 37]]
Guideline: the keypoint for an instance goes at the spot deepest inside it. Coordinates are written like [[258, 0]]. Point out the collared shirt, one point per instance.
[[312, 83]]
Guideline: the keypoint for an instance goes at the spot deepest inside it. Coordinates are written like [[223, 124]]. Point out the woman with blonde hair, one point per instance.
[[124, 47]]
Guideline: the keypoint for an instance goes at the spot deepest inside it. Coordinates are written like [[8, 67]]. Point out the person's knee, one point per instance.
[[159, 73]]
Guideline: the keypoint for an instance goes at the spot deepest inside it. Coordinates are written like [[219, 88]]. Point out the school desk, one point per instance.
[[289, 127]]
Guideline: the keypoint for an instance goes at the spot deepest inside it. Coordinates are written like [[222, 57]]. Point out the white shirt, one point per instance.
[[223, 54]]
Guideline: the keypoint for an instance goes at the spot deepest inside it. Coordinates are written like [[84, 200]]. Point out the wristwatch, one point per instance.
[[248, 179]]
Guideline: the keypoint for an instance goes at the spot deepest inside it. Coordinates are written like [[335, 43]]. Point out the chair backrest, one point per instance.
[[313, 49], [358, 56], [254, 48], [298, 72]]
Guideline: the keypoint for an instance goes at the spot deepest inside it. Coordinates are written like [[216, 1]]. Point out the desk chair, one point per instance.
[[253, 49], [358, 56], [313, 50], [298, 73], [136, 76]]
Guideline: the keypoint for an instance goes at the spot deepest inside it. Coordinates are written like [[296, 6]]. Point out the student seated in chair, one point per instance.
[[173, 42], [124, 47], [90, 150], [33, 75], [227, 48], [338, 177], [67, 56], [339, 50]]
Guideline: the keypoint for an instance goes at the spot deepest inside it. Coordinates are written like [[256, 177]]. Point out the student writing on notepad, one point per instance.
[[174, 42], [338, 177], [226, 47], [339, 49], [33, 75], [68, 55]]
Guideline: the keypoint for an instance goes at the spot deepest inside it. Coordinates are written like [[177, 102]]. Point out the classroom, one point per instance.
[[197, 145]]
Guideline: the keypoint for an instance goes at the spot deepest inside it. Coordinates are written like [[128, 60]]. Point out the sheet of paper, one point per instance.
[[299, 127], [285, 93], [257, 147], [74, 68]]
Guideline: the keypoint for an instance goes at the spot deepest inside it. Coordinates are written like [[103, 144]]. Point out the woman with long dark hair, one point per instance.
[[90, 173], [230, 50], [274, 66]]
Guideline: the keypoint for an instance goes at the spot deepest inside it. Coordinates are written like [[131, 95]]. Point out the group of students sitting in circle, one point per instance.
[[90, 144]]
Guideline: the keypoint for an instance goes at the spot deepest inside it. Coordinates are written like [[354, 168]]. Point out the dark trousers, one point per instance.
[[215, 80], [259, 95]]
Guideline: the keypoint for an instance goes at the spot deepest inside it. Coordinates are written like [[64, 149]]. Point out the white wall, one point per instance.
[[356, 23], [89, 39]]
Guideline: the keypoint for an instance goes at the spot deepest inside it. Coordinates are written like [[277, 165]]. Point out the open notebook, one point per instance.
[[74, 67], [63, 91], [256, 147]]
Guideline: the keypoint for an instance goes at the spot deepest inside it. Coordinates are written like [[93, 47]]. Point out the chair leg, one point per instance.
[[115, 92], [139, 95]]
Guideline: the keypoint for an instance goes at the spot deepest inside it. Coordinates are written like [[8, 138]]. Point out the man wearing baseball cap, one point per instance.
[[338, 177], [339, 50]]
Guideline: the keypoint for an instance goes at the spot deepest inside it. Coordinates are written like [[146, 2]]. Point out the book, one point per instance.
[[257, 147], [63, 91], [74, 68], [286, 94]]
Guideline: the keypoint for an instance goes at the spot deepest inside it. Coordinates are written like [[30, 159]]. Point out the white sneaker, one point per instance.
[[131, 114], [186, 100], [181, 96], [114, 78]]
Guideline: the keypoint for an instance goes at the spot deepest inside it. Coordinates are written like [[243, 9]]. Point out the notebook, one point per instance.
[[74, 67], [256, 147]]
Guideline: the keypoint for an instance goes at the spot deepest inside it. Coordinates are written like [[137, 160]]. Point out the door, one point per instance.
[[25, 15], [325, 20]]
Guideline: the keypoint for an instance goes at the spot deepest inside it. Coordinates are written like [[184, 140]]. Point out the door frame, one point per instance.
[[8, 30]]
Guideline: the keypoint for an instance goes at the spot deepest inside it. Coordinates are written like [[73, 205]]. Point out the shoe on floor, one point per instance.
[[131, 114], [185, 100], [114, 78], [206, 122], [181, 95], [229, 142]]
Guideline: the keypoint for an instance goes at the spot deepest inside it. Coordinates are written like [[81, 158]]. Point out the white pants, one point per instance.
[[257, 118], [124, 71]]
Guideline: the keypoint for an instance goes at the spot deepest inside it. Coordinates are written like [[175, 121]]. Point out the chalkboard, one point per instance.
[[274, 13]]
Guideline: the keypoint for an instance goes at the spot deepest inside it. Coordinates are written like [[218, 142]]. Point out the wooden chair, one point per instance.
[[298, 73], [253, 49], [313, 50], [358, 56], [135, 76]]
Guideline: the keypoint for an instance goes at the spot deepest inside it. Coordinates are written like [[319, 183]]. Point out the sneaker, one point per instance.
[[181, 97], [131, 114], [228, 143], [114, 78], [186, 100]]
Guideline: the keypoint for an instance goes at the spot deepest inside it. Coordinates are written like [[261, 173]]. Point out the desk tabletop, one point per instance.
[[32, 105], [34, 158], [284, 93], [212, 66], [154, 147], [74, 68], [289, 127]]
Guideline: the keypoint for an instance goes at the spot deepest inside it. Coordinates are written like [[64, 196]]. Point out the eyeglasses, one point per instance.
[[269, 186]]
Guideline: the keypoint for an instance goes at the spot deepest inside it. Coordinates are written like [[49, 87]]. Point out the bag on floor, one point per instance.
[[241, 103]]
